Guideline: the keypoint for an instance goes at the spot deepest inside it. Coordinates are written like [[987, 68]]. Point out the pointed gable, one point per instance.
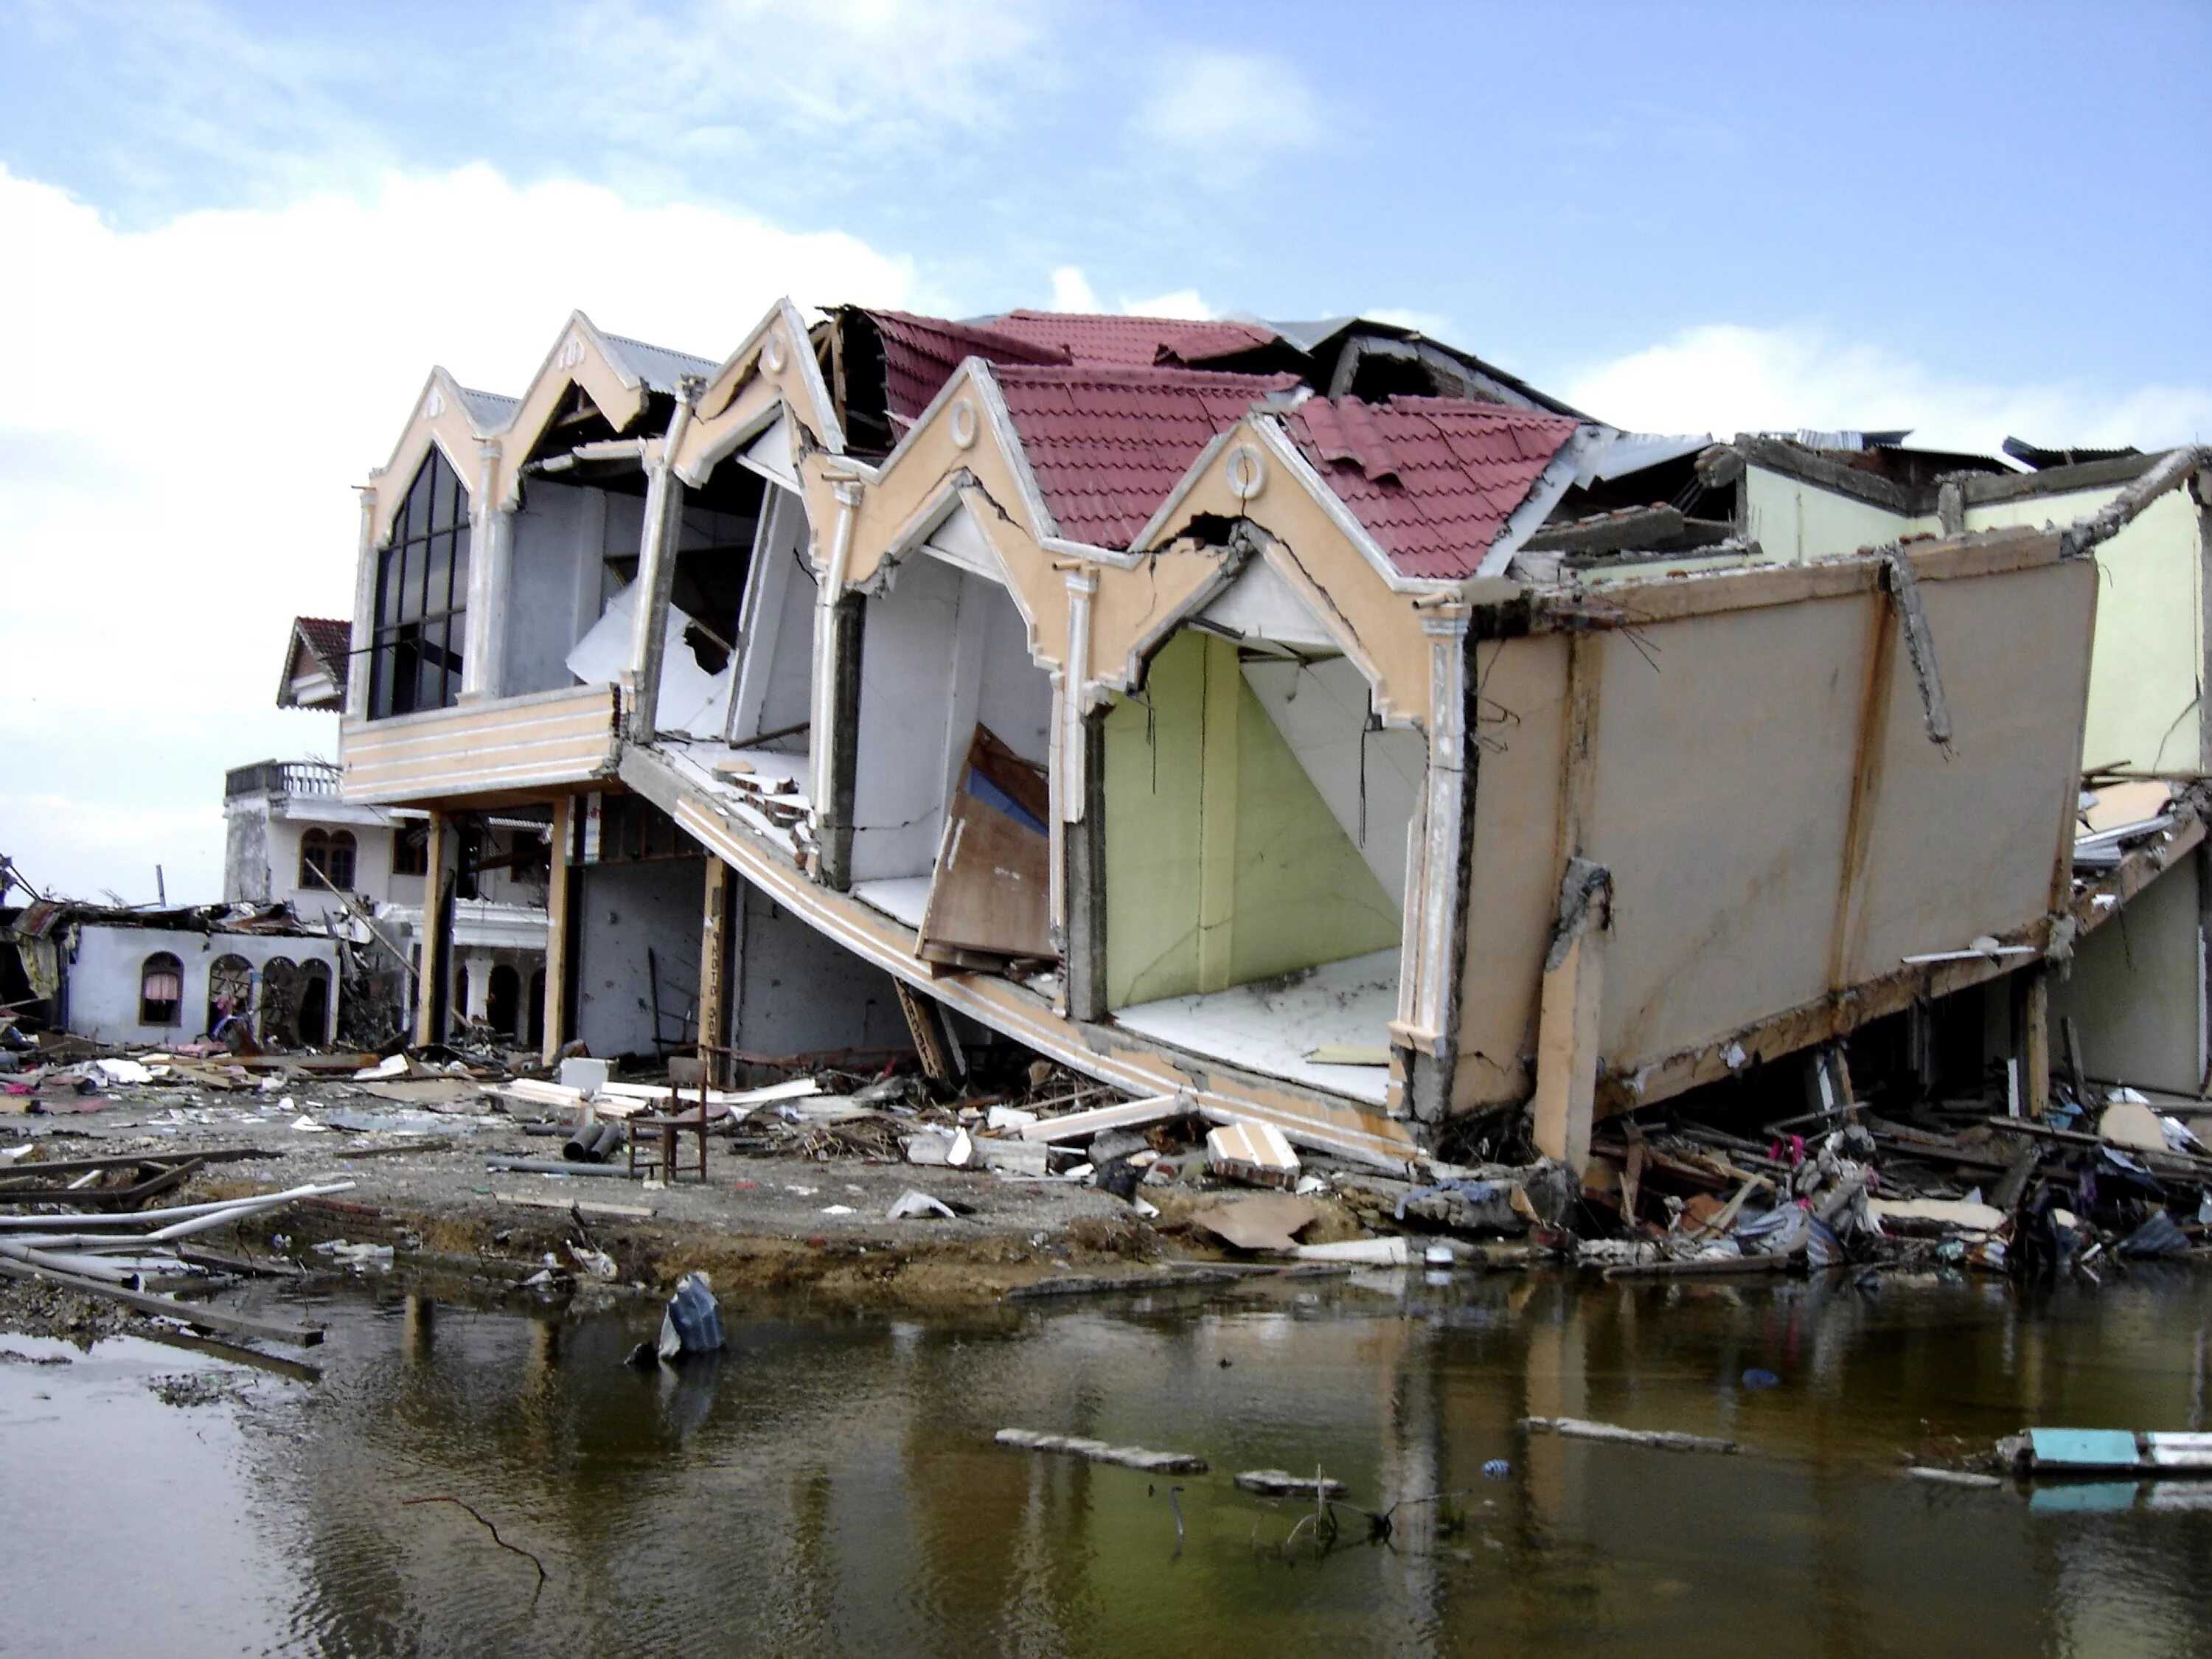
[[1107, 445]]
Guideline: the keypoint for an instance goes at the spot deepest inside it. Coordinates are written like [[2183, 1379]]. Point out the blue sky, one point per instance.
[[1971, 219]]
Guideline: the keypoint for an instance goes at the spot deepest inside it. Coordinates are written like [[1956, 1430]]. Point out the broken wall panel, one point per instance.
[[2135, 989], [1774, 834]]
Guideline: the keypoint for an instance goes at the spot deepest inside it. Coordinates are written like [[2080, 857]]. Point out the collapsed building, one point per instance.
[[1310, 720], [159, 975]]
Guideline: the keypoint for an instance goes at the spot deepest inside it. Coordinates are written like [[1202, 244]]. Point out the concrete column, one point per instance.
[[1427, 1031], [840, 762], [656, 568], [364, 605], [437, 931], [834, 722], [557, 930], [483, 653], [1565, 1104], [478, 1007], [1083, 962]]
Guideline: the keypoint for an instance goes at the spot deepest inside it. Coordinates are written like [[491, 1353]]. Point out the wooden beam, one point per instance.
[[2034, 991], [932, 1039], [437, 933], [713, 961], [166, 1307], [1567, 1018], [557, 930]]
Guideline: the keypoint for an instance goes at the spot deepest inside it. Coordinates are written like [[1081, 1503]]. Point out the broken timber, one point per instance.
[[1097, 1451]]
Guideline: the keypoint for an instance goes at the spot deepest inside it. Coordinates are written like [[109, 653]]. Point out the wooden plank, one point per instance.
[[211, 1319], [714, 958], [584, 1207], [1126, 1115]]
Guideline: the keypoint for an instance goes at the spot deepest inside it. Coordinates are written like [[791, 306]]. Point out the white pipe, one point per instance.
[[180, 1212]]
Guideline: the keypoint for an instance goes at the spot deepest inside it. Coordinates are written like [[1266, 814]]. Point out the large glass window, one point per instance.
[[421, 597]]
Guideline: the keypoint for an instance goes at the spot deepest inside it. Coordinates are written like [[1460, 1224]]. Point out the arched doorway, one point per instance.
[[280, 1002], [230, 992], [503, 1000], [314, 1016]]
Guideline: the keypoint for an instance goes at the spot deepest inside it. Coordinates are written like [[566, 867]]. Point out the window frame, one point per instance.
[[161, 961], [420, 605]]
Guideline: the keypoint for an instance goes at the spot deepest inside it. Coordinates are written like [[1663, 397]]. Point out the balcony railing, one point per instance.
[[282, 778]]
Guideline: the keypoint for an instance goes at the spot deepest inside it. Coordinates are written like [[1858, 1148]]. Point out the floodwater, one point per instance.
[[830, 1486]]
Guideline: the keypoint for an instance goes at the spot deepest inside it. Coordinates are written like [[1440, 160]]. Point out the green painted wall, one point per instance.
[[1223, 863]]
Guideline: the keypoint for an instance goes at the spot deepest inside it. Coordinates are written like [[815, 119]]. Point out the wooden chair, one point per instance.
[[652, 1136]]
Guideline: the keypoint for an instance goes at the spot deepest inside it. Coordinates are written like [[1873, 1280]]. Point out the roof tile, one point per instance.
[[920, 352], [1432, 479], [1132, 342], [1107, 444]]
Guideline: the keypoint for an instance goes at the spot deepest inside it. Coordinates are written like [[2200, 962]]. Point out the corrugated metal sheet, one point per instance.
[[657, 366]]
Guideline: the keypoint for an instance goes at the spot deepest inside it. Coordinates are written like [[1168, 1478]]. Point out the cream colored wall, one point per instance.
[[2150, 626], [1793, 520], [2134, 992], [1725, 747], [1214, 827]]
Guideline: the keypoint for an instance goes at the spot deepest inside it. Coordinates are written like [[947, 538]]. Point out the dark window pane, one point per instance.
[[438, 593], [461, 568]]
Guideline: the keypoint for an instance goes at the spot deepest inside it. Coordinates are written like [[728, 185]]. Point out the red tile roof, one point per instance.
[[1132, 341], [331, 640], [1107, 444], [1432, 480], [920, 352]]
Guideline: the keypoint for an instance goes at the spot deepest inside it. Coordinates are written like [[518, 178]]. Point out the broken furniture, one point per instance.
[[654, 1136]]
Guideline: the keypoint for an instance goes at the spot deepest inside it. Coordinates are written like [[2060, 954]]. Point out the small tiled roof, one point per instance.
[[1132, 341], [1432, 480], [331, 640], [920, 352], [1107, 444]]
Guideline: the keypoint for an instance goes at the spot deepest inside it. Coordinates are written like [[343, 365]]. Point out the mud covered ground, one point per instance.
[[789, 1222]]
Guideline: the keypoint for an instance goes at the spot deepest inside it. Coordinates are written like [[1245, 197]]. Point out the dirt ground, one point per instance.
[[787, 1222]]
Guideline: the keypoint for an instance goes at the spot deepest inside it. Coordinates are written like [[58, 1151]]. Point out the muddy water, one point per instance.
[[830, 1488]]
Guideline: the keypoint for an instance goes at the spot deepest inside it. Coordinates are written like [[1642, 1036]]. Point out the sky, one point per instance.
[[234, 237]]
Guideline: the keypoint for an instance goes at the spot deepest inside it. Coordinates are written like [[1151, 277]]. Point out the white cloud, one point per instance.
[[184, 410], [1725, 379], [882, 69], [1227, 112], [1072, 291]]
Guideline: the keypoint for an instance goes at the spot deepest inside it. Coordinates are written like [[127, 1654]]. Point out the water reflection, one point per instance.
[[830, 1486]]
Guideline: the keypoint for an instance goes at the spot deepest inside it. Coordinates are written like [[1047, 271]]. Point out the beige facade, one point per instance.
[[1363, 808]]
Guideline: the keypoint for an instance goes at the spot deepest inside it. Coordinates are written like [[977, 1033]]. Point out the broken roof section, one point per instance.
[[1435, 481], [1107, 446], [1114, 341]]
